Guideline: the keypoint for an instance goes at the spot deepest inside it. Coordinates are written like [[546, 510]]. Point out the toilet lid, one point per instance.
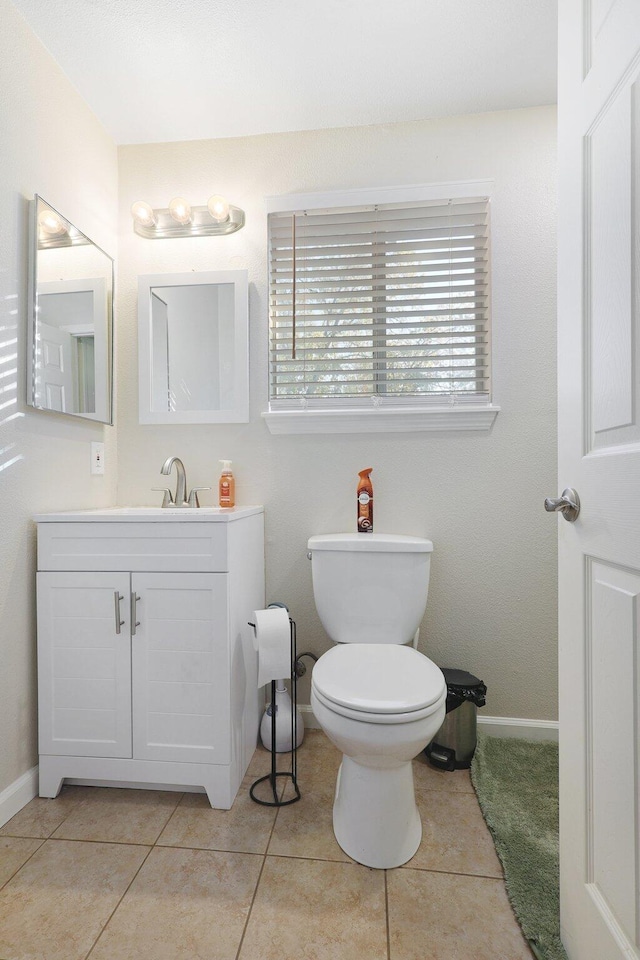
[[378, 678]]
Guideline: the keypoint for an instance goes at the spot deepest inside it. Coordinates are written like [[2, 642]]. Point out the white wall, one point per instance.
[[53, 145], [492, 603]]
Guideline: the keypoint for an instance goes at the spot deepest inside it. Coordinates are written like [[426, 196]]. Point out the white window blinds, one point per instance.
[[384, 304]]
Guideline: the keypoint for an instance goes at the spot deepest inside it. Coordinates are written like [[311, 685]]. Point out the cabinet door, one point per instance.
[[181, 667], [84, 664]]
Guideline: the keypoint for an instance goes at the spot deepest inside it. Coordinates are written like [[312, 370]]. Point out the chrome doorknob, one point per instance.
[[568, 504]]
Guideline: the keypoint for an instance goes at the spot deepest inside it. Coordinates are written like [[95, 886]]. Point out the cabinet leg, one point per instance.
[[218, 794], [49, 781]]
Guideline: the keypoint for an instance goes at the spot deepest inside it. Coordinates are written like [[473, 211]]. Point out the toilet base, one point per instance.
[[375, 817]]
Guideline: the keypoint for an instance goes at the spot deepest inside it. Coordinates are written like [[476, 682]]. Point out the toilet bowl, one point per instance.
[[380, 702], [380, 705]]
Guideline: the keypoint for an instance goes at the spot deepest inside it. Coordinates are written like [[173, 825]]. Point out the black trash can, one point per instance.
[[454, 744]]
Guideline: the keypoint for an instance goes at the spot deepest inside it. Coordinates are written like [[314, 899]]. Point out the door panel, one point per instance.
[[611, 313], [612, 730], [56, 374], [609, 218], [84, 665], [181, 668]]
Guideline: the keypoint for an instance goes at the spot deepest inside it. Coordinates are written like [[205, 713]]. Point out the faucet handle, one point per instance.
[[167, 500], [193, 496]]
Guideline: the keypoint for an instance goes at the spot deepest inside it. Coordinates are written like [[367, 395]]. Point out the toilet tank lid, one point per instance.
[[370, 543]]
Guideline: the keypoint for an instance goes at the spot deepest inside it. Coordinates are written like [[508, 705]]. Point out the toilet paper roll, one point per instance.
[[272, 640]]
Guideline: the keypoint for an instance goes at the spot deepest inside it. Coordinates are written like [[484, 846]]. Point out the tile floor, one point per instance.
[[111, 874]]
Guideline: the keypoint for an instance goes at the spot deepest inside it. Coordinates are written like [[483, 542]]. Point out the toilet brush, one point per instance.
[[283, 723]]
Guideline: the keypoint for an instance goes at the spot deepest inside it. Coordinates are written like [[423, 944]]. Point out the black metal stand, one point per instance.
[[272, 777]]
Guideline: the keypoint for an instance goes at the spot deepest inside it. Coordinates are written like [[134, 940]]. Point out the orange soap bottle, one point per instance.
[[227, 486], [365, 502]]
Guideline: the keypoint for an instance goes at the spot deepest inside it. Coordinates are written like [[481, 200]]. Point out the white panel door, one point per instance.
[[599, 455], [55, 359], [180, 667], [84, 664]]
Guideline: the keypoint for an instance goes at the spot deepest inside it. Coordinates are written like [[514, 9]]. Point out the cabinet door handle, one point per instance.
[[134, 623], [117, 596]]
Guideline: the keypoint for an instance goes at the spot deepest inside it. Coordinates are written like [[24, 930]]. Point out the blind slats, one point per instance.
[[316, 241], [380, 302], [425, 245], [318, 324], [283, 344], [282, 284]]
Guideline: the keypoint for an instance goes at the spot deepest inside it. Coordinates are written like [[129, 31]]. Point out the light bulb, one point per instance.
[[51, 224], [218, 207], [180, 210], [143, 214]]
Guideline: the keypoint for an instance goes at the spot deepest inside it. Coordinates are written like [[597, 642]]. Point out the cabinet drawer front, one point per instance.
[[84, 664], [179, 547]]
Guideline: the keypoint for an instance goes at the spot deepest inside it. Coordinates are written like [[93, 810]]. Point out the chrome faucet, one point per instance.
[[181, 486], [180, 499]]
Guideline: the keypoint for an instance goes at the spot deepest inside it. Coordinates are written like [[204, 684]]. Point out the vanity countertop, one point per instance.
[[151, 514]]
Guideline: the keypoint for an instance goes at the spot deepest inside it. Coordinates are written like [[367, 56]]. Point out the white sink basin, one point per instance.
[[153, 514]]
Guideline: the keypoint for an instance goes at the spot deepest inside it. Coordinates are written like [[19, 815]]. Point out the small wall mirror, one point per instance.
[[193, 358], [70, 359]]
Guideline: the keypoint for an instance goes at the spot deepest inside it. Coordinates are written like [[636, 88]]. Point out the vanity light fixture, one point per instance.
[[180, 219], [143, 214], [53, 230], [180, 210], [51, 223], [218, 208]]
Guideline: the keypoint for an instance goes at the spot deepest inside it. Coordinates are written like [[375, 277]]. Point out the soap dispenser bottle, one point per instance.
[[227, 486], [365, 502]]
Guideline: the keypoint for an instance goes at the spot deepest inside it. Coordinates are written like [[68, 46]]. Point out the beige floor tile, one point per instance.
[[42, 816], [116, 815], [435, 916], [318, 760], [55, 907], [456, 781], [183, 905], [14, 851], [455, 837], [305, 829], [245, 828], [260, 763], [260, 766], [317, 910]]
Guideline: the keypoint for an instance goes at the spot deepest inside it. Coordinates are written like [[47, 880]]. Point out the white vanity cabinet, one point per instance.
[[147, 671]]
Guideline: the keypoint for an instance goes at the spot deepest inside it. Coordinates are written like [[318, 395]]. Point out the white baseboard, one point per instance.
[[310, 722], [519, 728], [492, 726], [18, 794]]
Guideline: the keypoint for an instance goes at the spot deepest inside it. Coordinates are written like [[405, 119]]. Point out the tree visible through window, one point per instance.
[[384, 304]]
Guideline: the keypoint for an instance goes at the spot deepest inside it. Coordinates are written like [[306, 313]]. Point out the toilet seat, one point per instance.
[[378, 683]]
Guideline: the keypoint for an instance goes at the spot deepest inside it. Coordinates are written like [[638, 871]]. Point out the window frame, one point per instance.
[[348, 415]]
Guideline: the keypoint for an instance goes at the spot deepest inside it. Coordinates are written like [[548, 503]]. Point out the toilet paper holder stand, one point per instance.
[[272, 776]]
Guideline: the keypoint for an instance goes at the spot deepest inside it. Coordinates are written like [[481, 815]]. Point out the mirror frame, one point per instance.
[[32, 320], [239, 412]]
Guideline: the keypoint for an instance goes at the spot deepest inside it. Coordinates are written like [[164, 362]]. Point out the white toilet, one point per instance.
[[378, 701]]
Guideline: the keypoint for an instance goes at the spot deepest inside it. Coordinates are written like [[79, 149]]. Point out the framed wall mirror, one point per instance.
[[193, 355], [70, 356]]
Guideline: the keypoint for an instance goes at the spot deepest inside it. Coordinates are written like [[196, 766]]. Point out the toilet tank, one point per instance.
[[370, 587]]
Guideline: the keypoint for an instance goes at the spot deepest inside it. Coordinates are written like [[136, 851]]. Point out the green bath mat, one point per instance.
[[517, 785]]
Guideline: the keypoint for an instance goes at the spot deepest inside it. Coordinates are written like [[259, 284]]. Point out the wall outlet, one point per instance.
[[97, 458]]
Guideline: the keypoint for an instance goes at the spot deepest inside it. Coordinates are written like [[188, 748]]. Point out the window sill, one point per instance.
[[423, 420]]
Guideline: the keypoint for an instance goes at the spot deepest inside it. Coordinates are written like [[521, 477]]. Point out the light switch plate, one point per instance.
[[97, 458]]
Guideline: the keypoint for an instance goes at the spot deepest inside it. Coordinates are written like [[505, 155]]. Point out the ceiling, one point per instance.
[[160, 70]]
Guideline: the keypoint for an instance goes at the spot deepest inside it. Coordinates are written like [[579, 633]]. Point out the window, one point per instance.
[[380, 306]]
